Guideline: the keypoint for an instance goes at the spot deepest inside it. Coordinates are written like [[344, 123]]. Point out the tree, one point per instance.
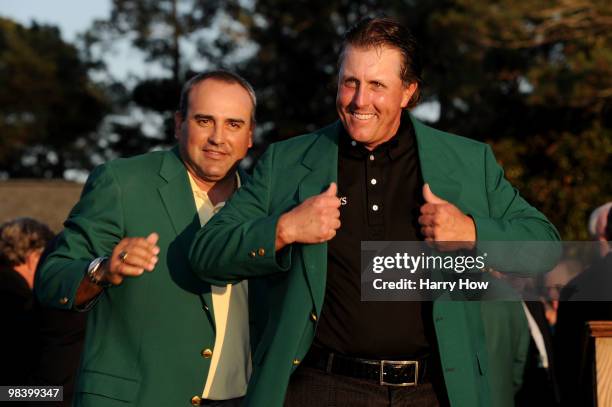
[[162, 30], [49, 108]]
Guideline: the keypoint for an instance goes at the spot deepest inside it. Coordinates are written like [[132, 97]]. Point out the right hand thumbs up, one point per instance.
[[313, 221], [332, 190]]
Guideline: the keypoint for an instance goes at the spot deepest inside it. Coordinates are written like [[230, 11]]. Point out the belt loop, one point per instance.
[[330, 361]]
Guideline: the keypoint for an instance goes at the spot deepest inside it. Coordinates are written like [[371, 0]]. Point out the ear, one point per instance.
[[407, 93], [178, 122]]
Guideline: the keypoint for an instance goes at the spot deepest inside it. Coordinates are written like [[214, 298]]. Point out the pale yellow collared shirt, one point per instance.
[[230, 366]]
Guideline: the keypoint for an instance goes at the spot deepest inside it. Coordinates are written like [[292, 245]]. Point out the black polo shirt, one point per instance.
[[381, 194]]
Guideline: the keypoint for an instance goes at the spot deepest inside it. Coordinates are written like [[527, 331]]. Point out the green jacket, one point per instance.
[[238, 243], [145, 337], [507, 338]]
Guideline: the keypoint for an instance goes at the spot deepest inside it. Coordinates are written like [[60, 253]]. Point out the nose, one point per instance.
[[360, 98], [217, 136]]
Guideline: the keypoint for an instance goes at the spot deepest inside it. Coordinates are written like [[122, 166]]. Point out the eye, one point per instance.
[[378, 85], [234, 125], [203, 121], [351, 83]]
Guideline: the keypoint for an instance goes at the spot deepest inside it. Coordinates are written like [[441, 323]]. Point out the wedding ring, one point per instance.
[[123, 256]]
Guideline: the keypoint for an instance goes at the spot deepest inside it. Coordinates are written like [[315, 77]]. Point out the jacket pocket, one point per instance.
[[103, 384]]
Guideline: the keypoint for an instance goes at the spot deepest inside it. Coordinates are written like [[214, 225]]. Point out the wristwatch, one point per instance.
[[95, 272]]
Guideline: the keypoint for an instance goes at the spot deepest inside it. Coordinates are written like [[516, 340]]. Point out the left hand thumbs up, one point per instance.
[[442, 221], [430, 197]]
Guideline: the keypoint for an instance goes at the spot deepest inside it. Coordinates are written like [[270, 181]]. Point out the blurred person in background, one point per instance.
[[587, 297], [540, 385], [518, 335], [597, 227], [553, 283], [60, 335], [22, 242]]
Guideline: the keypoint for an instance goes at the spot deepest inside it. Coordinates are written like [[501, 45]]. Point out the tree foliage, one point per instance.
[[163, 30], [49, 108]]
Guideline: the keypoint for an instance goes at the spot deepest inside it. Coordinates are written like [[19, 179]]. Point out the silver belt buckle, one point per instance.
[[399, 363]]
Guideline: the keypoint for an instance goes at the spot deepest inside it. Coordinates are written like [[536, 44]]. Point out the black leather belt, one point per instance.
[[384, 372]]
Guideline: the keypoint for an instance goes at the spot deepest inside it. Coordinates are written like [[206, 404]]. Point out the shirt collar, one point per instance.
[[399, 144], [203, 195]]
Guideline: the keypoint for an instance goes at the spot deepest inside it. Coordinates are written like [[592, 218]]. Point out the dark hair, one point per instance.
[[383, 31], [19, 237], [219, 75]]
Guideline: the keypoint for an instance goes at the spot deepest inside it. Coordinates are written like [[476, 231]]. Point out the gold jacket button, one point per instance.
[[313, 317], [296, 362], [63, 300], [253, 254], [196, 400], [206, 353], [261, 251]]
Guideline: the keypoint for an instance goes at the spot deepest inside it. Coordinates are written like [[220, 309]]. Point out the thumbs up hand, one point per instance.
[[430, 197], [444, 224], [332, 190], [313, 221]]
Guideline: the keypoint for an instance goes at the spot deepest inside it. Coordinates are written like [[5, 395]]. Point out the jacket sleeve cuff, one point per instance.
[[264, 254], [64, 297], [488, 229], [507, 253]]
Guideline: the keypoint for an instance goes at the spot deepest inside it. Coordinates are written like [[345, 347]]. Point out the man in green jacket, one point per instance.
[[377, 174], [156, 334]]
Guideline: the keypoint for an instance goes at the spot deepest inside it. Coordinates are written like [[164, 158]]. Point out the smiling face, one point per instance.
[[371, 94], [216, 132]]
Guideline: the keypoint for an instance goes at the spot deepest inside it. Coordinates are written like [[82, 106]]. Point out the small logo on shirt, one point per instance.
[[343, 200]]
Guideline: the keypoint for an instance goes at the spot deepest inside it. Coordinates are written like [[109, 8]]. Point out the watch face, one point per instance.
[[95, 272]]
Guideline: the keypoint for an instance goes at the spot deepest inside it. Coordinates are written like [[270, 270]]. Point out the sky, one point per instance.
[[75, 16], [72, 16]]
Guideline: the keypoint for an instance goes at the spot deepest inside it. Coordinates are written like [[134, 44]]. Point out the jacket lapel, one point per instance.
[[436, 166], [322, 161], [177, 196]]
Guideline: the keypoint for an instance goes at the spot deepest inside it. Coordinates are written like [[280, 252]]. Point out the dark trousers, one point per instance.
[[223, 403], [310, 387]]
